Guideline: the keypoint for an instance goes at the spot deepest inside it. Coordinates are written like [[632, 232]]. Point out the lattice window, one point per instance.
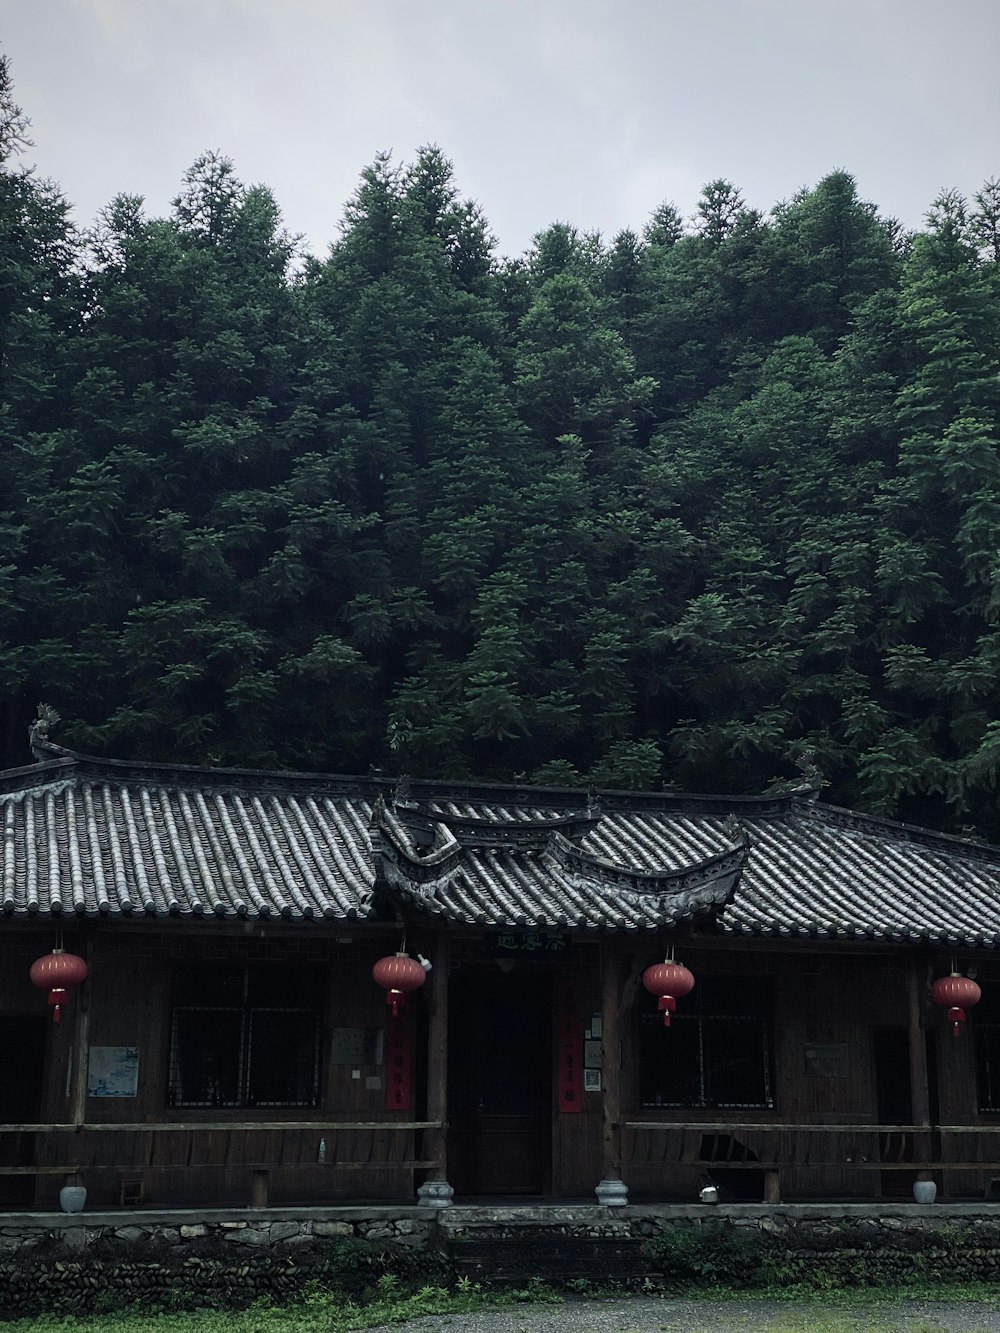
[[245, 1036], [716, 1052]]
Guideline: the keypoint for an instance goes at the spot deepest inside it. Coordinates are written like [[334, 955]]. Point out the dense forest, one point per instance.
[[673, 509]]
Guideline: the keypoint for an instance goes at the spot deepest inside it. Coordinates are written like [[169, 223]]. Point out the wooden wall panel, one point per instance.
[[129, 995], [576, 1137]]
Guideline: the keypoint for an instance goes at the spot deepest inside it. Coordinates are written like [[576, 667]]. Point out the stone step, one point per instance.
[[515, 1259]]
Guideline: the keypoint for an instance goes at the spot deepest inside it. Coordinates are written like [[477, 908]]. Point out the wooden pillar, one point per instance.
[[435, 1192], [81, 1054], [611, 1190], [81, 1046], [920, 1096]]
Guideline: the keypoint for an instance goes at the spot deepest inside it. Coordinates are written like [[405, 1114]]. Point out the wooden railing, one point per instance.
[[770, 1148], [136, 1152], [254, 1151]]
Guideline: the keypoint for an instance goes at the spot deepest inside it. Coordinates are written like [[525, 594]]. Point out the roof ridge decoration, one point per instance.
[[704, 886], [402, 867], [812, 780], [41, 747], [475, 831], [429, 881]]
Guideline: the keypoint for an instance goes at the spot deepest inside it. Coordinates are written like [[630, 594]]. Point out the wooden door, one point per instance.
[[22, 1043], [500, 1082], [894, 1105]]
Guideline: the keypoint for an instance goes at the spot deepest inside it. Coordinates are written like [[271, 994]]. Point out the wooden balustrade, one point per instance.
[[254, 1151], [772, 1147], [138, 1151]]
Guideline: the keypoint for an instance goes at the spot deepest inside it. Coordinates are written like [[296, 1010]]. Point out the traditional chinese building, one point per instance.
[[230, 1044]]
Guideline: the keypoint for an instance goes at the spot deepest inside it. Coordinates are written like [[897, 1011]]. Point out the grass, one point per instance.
[[886, 1319], [824, 1321], [315, 1311], [842, 1311]]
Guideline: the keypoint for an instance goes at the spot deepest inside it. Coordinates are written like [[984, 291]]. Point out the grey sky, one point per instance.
[[585, 110]]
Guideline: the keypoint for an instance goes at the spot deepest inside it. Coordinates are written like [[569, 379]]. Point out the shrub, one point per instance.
[[714, 1254]]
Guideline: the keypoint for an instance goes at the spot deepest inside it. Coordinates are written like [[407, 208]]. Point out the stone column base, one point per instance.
[[435, 1194], [612, 1193]]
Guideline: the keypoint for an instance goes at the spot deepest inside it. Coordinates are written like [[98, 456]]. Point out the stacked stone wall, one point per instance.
[[172, 1260]]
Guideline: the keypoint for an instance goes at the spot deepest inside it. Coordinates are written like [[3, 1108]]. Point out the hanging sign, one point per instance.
[[570, 1062], [399, 1042]]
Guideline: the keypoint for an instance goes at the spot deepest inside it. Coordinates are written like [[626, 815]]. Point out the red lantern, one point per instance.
[[58, 973], [671, 982], [398, 973], [956, 994]]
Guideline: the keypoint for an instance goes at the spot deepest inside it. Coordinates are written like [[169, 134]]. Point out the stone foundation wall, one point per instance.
[[55, 1263], [173, 1259]]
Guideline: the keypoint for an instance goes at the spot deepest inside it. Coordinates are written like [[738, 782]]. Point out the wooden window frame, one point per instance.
[[692, 1018], [241, 1063]]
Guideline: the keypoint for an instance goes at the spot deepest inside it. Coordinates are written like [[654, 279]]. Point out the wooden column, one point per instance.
[[436, 1192], [81, 1045], [81, 1053], [920, 1096], [611, 1111]]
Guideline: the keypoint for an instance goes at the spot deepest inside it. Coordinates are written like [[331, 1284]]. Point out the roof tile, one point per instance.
[[99, 837]]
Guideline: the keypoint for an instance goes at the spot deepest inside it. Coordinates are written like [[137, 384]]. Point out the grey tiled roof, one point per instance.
[[521, 867], [96, 837]]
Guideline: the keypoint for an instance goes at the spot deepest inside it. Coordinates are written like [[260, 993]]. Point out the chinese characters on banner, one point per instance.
[[399, 1039], [570, 1048]]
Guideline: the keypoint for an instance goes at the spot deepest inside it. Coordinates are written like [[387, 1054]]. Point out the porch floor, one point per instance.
[[486, 1211]]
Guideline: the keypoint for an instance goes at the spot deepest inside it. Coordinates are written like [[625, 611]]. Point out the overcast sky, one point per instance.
[[590, 111]]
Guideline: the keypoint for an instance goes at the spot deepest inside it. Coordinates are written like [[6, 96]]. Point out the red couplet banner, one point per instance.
[[570, 1048], [399, 1044]]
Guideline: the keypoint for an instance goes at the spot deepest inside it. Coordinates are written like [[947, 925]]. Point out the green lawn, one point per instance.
[[857, 1311]]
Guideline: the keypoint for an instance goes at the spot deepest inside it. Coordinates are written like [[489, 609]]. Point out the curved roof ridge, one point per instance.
[[661, 881], [862, 821]]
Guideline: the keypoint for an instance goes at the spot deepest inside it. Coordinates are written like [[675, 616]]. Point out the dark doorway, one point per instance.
[[22, 1043], [894, 1105], [500, 1082]]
